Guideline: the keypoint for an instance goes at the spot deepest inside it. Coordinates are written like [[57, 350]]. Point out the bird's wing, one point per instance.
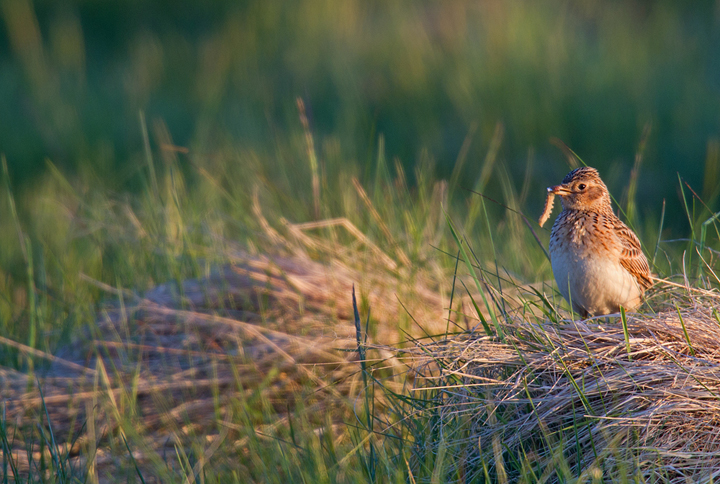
[[631, 255]]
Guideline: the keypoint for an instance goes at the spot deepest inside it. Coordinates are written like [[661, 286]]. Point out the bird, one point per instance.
[[597, 260]]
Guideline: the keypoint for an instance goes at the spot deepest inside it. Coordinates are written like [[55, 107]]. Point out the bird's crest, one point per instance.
[[584, 172]]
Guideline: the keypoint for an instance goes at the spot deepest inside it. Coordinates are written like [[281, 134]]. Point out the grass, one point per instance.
[[204, 332], [567, 401], [432, 81], [155, 381], [176, 279]]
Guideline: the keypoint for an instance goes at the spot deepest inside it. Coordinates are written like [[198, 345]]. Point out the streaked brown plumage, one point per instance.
[[597, 260]]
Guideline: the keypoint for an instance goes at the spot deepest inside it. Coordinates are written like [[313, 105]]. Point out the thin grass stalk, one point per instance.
[[312, 156], [6, 449], [382, 172], [437, 473], [631, 205], [689, 217], [32, 307], [132, 458], [710, 269], [537, 239], [461, 158], [581, 394], [492, 245], [569, 299], [479, 313], [702, 202], [452, 293], [571, 157], [363, 367], [13, 208], [703, 230], [623, 317], [54, 451], [659, 238], [471, 269], [155, 190], [685, 332], [518, 212], [527, 178], [485, 173], [552, 312], [381, 223]]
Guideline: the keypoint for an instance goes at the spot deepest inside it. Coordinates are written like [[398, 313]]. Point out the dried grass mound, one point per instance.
[[170, 365], [596, 399]]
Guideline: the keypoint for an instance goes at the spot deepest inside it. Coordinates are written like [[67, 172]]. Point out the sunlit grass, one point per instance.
[[428, 78], [94, 253], [415, 170]]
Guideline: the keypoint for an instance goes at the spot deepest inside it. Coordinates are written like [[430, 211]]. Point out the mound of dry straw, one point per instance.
[[161, 366], [554, 396], [568, 398]]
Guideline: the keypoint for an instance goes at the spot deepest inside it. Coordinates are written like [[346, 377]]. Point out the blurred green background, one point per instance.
[[92, 92], [423, 75]]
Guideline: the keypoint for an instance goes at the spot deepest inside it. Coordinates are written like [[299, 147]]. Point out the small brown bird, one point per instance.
[[596, 259]]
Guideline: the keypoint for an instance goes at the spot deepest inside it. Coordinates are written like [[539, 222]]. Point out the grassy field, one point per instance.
[[425, 78], [205, 334], [189, 198]]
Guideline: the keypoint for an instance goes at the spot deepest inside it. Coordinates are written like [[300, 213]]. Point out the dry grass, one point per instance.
[[550, 400], [563, 399], [164, 368]]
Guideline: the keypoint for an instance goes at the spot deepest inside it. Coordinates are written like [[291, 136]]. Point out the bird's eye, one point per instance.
[[581, 186]]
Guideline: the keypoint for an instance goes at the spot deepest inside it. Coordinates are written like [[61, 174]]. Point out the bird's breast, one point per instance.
[[586, 264]]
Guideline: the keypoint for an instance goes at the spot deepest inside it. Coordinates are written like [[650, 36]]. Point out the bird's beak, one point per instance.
[[559, 190]]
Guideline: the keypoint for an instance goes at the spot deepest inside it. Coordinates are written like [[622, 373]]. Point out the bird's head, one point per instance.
[[582, 189]]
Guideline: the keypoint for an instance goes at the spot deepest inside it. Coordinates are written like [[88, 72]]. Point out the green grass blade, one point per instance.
[[685, 332], [132, 458], [479, 313], [659, 238], [471, 269], [623, 317]]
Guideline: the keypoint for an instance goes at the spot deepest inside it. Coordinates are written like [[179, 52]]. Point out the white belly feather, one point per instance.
[[594, 283], [588, 271]]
